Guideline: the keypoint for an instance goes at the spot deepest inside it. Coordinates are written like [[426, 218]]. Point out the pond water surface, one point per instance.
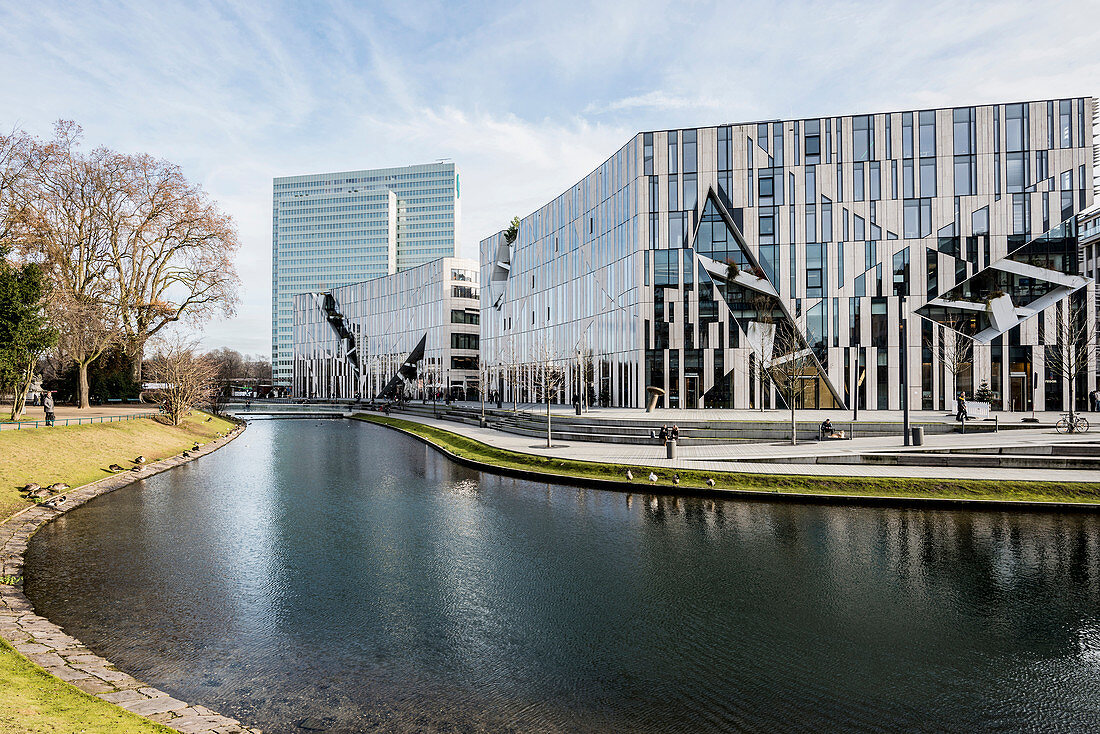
[[344, 572]]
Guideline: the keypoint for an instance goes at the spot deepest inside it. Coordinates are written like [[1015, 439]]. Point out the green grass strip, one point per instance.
[[694, 479]]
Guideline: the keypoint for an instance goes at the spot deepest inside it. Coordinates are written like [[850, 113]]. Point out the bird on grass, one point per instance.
[[710, 481], [115, 468], [653, 477], [630, 475], [675, 478]]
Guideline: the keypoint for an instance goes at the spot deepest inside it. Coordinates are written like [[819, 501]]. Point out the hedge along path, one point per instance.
[[65, 657]]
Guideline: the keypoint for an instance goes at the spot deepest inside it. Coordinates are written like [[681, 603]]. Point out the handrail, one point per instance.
[[18, 425]]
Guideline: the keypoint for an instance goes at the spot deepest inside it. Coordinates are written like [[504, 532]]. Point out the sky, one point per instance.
[[525, 98]]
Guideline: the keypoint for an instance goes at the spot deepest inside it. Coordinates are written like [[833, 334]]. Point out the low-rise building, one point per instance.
[[414, 332]]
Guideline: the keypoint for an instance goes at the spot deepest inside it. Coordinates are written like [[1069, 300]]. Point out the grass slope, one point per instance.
[[469, 448], [77, 455], [31, 700], [35, 701]]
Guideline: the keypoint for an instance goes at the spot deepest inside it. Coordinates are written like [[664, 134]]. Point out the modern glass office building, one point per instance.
[[422, 323], [707, 262], [334, 229]]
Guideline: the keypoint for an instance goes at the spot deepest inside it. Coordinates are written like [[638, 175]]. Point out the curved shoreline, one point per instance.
[[753, 495], [64, 656]]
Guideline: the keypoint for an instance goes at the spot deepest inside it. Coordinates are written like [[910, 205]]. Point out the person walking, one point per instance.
[[960, 407], [47, 406]]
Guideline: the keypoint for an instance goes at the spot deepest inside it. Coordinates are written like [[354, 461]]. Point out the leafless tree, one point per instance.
[[1072, 352], [790, 365], [954, 349], [551, 376], [61, 226], [18, 153], [184, 378], [171, 249]]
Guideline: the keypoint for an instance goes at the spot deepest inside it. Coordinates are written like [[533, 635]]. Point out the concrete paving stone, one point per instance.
[[68, 674], [92, 686], [46, 660], [194, 724], [153, 705], [81, 657], [32, 648], [123, 696], [111, 676], [152, 692]]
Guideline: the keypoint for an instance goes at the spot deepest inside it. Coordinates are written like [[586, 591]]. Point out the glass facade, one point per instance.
[[351, 341], [653, 270], [334, 229]]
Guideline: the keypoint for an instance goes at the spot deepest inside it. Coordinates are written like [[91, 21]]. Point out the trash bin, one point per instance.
[[670, 448], [918, 435], [577, 407]]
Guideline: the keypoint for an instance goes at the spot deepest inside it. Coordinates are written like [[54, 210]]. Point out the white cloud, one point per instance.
[[526, 98]]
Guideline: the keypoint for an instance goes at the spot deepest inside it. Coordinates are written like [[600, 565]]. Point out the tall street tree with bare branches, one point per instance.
[[1071, 350], [171, 248], [62, 227]]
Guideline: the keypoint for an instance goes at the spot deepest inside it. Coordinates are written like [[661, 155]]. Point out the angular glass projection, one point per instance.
[[1011, 290], [728, 266]]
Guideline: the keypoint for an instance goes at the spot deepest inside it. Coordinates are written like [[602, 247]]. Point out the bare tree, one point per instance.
[[790, 365], [1073, 351], [551, 377], [18, 152], [61, 226], [184, 378], [170, 247], [954, 349]]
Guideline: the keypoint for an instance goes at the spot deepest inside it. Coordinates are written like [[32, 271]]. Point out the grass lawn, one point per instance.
[[469, 448], [31, 700], [77, 455]]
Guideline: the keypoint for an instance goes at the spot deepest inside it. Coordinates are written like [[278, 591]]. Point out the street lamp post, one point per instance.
[[904, 375]]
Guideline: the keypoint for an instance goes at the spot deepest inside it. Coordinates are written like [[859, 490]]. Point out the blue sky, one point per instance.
[[526, 98]]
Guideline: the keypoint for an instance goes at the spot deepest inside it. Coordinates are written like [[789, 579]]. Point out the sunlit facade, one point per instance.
[[835, 227], [350, 342], [333, 229]]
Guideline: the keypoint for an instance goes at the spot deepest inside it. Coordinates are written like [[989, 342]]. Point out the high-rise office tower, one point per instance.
[[333, 229]]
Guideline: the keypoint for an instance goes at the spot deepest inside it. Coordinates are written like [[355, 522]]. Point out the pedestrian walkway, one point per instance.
[[63, 412], [745, 457]]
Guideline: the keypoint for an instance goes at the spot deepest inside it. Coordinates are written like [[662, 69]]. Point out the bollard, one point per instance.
[[670, 448], [996, 424]]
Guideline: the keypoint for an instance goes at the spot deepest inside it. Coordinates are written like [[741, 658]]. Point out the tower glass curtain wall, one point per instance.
[[334, 229], [623, 282]]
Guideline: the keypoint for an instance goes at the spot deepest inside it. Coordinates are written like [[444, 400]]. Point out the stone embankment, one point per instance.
[[63, 655]]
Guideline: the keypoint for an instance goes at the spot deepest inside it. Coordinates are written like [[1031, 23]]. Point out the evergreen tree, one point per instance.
[[24, 332]]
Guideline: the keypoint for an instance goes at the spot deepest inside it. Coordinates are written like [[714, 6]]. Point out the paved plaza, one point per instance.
[[746, 456]]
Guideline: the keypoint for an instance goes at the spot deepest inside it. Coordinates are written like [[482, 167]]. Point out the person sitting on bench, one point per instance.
[[827, 430]]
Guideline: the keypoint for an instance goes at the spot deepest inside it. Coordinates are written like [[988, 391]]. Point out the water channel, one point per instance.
[[341, 572]]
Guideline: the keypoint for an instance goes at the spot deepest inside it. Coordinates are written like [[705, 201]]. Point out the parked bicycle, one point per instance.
[[1072, 423]]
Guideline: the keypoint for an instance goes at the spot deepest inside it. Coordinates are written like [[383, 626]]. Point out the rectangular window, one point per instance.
[[1065, 126], [767, 225], [862, 136], [1016, 170], [893, 179], [673, 152], [907, 135], [1020, 214], [811, 184], [765, 187], [815, 270], [907, 185], [927, 133], [889, 136], [964, 175], [464, 341], [673, 193], [812, 142], [963, 131], [647, 153], [911, 217], [811, 223], [927, 177], [857, 182], [691, 191], [874, 181], [777, 143], [460, 316], [1016, 131], [690, 155], [826, 219]]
